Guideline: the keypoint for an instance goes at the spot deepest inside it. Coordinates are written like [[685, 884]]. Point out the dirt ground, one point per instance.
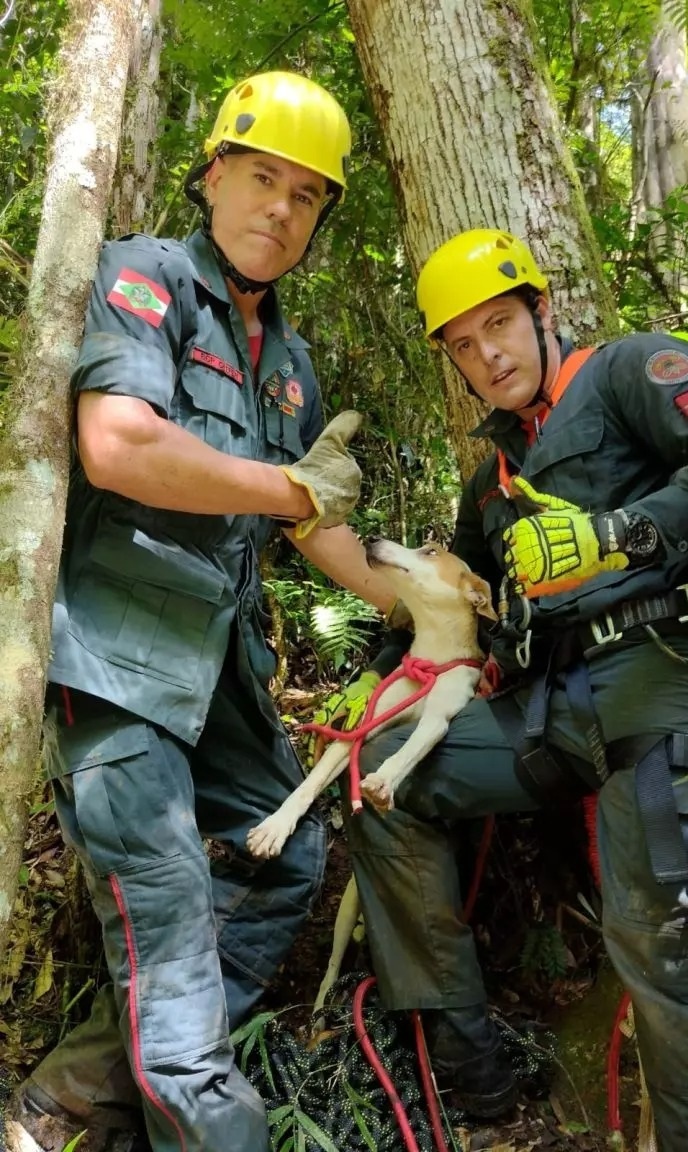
[[537, 929], [579, 1008]]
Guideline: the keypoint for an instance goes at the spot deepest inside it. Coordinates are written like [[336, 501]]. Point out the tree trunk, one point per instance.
[[474, 140], [660, 147], [84, 119], [136, 169]]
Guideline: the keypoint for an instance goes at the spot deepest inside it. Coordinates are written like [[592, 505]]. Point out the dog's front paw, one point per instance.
[[378, 792], [267, 839]]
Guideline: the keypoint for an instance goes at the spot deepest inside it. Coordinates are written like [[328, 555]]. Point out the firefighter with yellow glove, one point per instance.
[[579, 521]]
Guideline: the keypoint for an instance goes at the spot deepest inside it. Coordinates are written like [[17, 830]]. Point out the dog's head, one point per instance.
[[430, 577]]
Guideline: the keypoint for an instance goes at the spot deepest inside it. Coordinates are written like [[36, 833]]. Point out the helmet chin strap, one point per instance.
[[541, 396], [243, 284]]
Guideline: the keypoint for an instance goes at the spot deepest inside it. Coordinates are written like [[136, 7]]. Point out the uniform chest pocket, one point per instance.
[[567, 462], [213, 407], [283, 435], [146, 604]]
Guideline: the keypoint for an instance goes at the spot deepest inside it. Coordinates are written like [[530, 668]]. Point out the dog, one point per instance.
[[444, 598]]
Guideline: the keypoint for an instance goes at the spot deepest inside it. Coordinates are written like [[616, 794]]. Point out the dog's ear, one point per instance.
[[479, 595]]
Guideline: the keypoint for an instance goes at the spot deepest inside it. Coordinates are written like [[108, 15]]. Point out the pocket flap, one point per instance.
[[99, 741], [211, 392], [283, 431], [135, 555]]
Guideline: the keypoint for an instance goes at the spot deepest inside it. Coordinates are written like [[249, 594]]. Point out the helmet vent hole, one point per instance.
[[243, 123], [245, 91], [509, 269], [501, 243]]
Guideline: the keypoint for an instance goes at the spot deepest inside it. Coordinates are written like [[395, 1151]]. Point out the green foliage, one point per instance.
[[544, 951], [335, 623]]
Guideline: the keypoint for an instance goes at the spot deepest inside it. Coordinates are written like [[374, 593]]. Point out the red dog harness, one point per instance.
[[423, 672]]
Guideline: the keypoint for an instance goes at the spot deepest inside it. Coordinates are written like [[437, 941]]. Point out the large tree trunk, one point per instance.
[[660, 149], [136, 169], [85, 120], [474, 140]]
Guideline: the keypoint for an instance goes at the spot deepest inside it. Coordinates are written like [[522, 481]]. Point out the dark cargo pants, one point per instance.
[[189, 953], [424, 955]]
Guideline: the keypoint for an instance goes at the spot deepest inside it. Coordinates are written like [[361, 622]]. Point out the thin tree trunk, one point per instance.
[[84, 119], [474, 140], [137, 167]]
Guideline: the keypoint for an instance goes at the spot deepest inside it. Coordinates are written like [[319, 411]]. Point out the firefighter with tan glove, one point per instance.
[[200, 433]]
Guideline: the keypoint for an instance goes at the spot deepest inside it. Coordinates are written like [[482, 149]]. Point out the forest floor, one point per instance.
[[537, 931]]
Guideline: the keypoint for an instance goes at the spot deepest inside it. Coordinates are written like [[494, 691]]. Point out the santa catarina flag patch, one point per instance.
[[136, 293]]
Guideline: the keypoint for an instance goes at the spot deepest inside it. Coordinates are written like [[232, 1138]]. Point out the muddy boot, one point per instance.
[[467, 1057], [38, 1124]]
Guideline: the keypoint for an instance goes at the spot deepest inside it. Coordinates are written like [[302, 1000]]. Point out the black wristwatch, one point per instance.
[[630, 533]]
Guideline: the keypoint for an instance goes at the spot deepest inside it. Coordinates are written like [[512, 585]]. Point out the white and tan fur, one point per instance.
[[444, 598]]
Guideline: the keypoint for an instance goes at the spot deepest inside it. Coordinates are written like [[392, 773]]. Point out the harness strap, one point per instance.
[[657, 805], [555, 774]]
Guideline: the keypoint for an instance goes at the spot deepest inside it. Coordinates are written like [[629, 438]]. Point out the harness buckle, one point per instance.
[[523, 649], [597, 627], [683, 588]]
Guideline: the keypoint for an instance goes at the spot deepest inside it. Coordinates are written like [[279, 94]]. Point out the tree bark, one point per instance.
[[660, 148], [84, 124], [137, 168], [474, 140]]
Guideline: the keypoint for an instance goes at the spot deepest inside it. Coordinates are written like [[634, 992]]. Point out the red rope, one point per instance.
[[423, 672], [377, 1065], [614, 1051], [429, 1085]]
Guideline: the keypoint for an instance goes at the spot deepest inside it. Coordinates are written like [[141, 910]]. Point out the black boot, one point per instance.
[[38, 1124], [467, 1056]]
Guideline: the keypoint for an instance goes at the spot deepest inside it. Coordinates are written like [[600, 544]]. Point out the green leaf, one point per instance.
[[74, 1142], [315, 1132]]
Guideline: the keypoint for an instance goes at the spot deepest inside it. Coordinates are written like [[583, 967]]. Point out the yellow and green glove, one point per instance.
[[344, 709], [560, 546], [330, 475]]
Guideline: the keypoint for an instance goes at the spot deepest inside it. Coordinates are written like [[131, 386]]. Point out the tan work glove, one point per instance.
[[330, 475], [400, 617]]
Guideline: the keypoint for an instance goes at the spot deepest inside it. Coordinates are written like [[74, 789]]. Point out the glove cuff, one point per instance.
[[303, 527], [399, 616], [610, 529]]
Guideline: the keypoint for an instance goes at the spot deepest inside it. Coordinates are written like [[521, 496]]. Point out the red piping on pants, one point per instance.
[[141, 1077]]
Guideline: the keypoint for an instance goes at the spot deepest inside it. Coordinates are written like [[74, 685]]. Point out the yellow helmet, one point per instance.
[[286, 115], [470, 268]]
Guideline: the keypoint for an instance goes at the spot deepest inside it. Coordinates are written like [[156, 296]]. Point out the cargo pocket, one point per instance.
[[146, 604], [82, 799], [214, 410], [283, 435]]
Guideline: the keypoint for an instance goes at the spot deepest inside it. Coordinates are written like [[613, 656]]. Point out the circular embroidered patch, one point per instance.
[[667, 367]]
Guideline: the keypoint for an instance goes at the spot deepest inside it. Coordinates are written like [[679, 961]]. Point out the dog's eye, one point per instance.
[[430, 551]]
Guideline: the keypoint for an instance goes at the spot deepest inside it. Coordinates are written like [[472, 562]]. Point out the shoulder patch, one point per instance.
[[135, 293], [667, 367]]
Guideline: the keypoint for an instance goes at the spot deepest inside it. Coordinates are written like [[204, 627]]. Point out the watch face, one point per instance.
[[642, 538]]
